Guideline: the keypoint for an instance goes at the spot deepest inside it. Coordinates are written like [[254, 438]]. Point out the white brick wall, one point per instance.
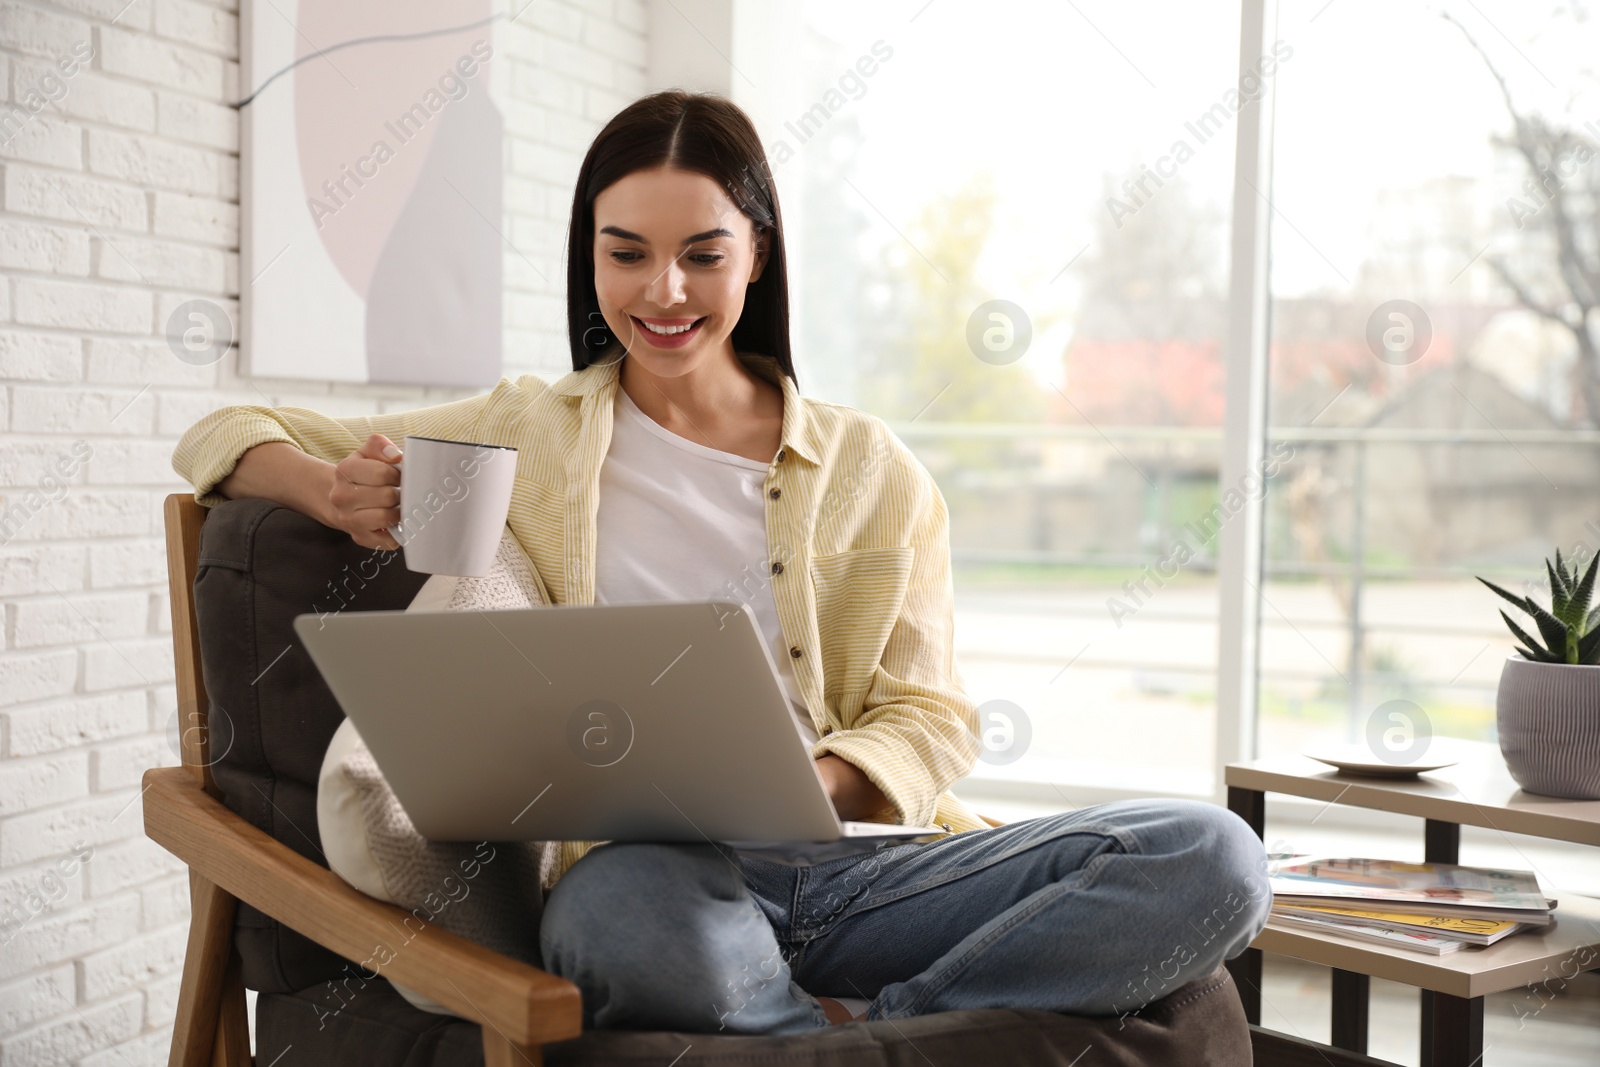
[[118, 202]]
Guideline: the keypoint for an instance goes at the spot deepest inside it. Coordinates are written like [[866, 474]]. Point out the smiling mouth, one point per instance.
[[669, 331]]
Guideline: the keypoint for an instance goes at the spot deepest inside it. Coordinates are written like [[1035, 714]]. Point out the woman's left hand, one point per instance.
[[853, 794]]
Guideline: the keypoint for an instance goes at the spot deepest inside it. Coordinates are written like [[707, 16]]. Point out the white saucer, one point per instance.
[[1359, 760]]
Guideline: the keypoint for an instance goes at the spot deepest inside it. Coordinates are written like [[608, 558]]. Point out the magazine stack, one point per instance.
[[1435, 908]]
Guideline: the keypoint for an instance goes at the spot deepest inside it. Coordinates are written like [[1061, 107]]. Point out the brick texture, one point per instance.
[[119, 201]]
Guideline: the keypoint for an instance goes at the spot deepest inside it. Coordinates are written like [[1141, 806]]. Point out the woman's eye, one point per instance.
[[704, 259]]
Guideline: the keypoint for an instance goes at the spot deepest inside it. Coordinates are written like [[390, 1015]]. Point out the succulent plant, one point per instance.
[[1571, 631]]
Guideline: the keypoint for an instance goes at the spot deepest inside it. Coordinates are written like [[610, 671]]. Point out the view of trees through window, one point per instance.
[[1433, 360], [1031, 286]]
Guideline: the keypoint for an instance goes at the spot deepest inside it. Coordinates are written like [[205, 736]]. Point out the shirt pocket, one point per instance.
[[859, 594], [538, 517]]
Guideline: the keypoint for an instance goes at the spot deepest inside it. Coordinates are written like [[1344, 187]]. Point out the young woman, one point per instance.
[[679, 461]]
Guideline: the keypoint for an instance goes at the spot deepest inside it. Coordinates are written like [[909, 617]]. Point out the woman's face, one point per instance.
[[672, 250]]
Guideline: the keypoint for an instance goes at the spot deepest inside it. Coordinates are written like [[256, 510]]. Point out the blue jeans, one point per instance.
[[1093, 912]]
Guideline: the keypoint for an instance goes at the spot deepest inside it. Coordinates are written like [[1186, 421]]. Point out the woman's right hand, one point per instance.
[[364, 500]]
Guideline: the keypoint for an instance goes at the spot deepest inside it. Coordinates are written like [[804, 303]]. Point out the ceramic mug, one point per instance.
[[454, 498]]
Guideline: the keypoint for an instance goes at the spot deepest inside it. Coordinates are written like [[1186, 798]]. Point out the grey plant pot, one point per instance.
[[1549, 717]]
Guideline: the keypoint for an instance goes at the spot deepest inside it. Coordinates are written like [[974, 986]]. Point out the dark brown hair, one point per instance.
[[706, 134]]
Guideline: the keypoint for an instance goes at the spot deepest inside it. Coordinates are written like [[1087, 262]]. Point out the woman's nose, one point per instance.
[[666, 288]]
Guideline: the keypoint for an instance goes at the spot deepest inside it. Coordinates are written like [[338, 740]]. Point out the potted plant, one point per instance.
[[1548, 704]]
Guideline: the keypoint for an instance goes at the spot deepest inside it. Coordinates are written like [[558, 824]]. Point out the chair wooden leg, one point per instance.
[[232, 1047], [205, 966], [499, 1052]]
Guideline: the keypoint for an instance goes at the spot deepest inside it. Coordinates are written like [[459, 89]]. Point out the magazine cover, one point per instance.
[[1433, 944], [1441, 886], [1471, 928]]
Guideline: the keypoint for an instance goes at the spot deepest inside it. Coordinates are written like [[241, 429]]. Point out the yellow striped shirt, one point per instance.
[[865, 595]]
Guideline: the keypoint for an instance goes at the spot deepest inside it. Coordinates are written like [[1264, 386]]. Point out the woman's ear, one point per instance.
[[760, 263]]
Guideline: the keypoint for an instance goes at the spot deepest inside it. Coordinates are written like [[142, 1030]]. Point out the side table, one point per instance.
[[1478, 791]]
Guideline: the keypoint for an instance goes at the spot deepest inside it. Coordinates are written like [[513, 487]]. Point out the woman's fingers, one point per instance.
[[349, 496], [358, 470], [376, 462], [372, 528], [377, 518], [375, 540], [380, 448], [375, 498], [365, 497]]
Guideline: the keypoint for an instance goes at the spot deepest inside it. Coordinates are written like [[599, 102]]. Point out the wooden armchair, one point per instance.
[[519, 1007], [258, 896]]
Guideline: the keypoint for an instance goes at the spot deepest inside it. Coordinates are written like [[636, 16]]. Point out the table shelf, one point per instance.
[[1571, 941], [1477, 791]]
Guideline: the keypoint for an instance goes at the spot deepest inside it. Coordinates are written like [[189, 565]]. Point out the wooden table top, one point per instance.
[[1478, 791]]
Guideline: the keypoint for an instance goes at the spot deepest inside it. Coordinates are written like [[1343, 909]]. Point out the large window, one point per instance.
[[1030, 287], [1430, 366], [1015, 239]]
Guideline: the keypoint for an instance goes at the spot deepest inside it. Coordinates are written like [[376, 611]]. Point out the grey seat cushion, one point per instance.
[[1200, 1025], [260, 565]]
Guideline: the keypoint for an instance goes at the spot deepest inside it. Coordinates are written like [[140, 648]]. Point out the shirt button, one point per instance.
[[777, 568], [775, 493], [795, 651], [781, 453], [826, 730]]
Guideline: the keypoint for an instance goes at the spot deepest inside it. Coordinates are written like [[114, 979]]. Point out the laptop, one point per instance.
[[660, 721]]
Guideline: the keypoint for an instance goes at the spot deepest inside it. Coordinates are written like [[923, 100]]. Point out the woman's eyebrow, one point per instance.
[[629, 235]]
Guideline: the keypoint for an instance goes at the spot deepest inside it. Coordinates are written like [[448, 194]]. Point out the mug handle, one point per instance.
[[399, 527]]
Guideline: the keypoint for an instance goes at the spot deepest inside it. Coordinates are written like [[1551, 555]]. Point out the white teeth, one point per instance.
[[667, 331]]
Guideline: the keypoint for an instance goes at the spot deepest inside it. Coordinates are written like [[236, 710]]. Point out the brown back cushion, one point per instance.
[[260, 566]]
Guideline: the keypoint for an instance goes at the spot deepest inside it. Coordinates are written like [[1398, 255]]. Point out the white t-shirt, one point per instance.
[[681, 521]]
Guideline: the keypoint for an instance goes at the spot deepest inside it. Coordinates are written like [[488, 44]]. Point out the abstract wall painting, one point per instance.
[[371, 189]]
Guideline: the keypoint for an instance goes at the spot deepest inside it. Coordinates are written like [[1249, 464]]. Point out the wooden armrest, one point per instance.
[[521, 1002]]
